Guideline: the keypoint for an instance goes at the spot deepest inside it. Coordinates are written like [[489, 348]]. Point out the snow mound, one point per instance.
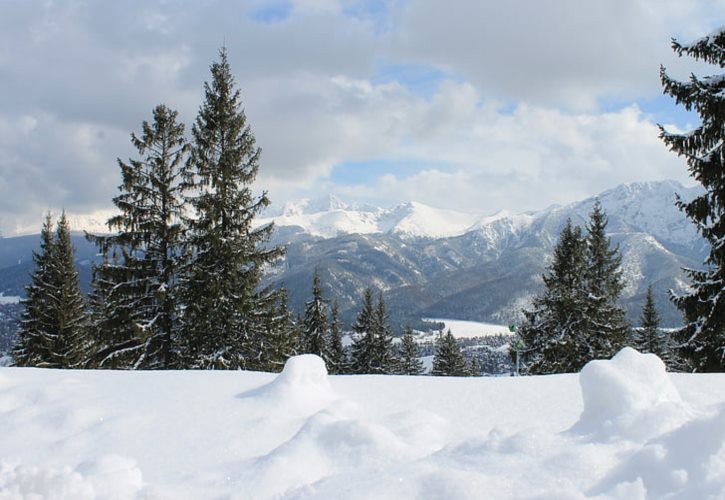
[[109, 477], [686, 463], [303, 386], [630, 396]]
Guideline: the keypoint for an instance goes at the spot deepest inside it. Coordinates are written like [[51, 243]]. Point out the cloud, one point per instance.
[[511, 102]]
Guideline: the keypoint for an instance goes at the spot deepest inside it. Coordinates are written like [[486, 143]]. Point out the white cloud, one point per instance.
[[520, 126]]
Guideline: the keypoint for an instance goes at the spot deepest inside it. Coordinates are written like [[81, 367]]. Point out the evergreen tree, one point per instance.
[[281, 334], [316, 330], [384, 359], [607, 326], [337, 359], [555, 330], [410, 363], [362, 351], [448, 360], [647, 337], [72, 344], [135, 288], [35, 337], [223, 306], [53, 330], [703, 337]]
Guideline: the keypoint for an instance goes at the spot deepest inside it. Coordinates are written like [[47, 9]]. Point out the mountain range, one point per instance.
[[439, 263]]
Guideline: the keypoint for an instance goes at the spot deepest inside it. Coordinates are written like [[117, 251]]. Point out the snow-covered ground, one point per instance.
[[468, 329], [621, 429], [8, 299]]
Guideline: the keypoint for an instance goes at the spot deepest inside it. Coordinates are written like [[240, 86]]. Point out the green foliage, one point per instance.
[[702, 340], [448, 360], [607, 327], [54, 324], [648, 337], [135, 298], [337, 361], [576, 318], [223, 321], [409, 354], [316, 328]]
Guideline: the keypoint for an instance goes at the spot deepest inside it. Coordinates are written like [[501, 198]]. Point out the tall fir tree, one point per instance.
[[135, 288], [35, 337], [54, 323], [555, 330], [281, 334], [448, 360], [702, 339], [362, 349], [223, 321], [73, 343], [337, 361], [648, 338], [384, 358], [316, 328], [607, 327], [410, 363]]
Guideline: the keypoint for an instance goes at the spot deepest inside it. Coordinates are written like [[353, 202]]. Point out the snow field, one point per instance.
[[468, 329], [623, 428]]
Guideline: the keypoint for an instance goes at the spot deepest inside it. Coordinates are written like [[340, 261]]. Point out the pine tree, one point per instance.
[[448, 360], [337, 359], [555, 331], [384, 359], [647, 338], [53, 330], [73, 341], [35, 338], [607, 329], [281, 334], [223, 306], [703, 337], [362, 351], [410, 363], [316, 329], [135, 288]]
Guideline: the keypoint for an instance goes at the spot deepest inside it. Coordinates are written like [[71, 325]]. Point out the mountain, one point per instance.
[[444, 264], [330, 217], [490, 269]]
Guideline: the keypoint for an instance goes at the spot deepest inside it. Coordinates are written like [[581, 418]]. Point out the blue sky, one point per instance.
[[480, 106]]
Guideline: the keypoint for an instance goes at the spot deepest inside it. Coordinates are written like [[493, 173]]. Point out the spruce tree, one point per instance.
[[607, 327], [410, 363], [555, 331], [362, 350], [703, 337], [337, 359], [54, 324], [72, 338], [448, 360], [384, 359], [282, 337], [223, 306], [647, 338], [316, 328], [135, 288], [35, 340]]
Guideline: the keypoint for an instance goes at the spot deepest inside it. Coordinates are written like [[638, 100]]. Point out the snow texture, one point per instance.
[[622, 429]]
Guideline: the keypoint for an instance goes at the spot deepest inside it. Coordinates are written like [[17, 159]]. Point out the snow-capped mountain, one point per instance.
[[439, 263], [329, 217], [432, 262]]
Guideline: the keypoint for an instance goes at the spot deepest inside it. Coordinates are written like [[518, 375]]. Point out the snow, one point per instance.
[[469, 329], [10, 299], [623, 428], [333, 217]]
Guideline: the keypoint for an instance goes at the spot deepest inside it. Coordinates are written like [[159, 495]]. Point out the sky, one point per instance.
[[472, 105]]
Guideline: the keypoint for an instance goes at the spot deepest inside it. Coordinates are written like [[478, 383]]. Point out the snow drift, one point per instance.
[[623, 428]]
